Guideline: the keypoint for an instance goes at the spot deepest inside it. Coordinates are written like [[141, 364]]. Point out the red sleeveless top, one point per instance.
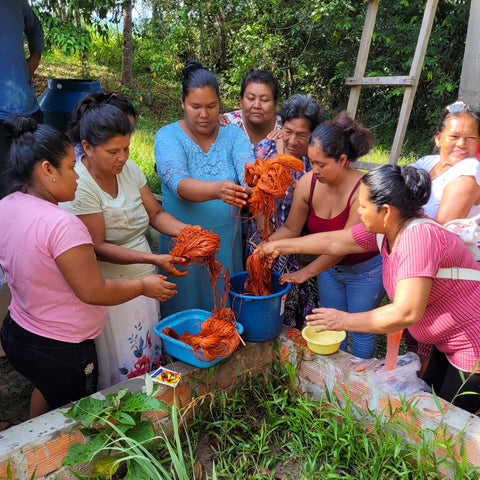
[[318, 225]]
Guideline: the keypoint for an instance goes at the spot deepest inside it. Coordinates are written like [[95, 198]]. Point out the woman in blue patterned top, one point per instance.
[[300, 116], [202, 167]]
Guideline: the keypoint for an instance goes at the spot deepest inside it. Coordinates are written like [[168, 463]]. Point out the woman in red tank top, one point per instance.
[[326, 199]]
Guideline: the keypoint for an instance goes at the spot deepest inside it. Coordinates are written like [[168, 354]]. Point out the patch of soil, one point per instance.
[[15, 392], [206, 456]]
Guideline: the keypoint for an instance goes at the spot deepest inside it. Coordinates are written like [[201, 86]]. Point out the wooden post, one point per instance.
[[469, 90]]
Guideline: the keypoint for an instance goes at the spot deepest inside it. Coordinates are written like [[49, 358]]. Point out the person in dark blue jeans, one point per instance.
[[17, 94]]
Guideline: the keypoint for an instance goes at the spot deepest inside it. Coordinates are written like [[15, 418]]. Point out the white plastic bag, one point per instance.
[[469, 231], [402, 379]]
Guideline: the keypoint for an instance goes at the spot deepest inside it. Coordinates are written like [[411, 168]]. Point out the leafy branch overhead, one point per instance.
[[310, 45]]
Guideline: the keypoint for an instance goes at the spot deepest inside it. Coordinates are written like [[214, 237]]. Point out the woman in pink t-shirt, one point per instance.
[[49, 262], [438, 311]]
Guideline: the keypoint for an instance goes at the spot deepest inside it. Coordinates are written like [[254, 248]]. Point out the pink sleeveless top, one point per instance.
[[317, 224]]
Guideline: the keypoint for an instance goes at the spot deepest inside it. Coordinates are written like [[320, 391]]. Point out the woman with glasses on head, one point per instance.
[[455, 175], [455, 172]]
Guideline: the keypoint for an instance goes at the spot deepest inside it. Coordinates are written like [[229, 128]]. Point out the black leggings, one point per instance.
[[62, 371], [446, 381]]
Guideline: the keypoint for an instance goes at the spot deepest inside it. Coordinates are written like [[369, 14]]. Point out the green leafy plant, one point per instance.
[[117, 430]]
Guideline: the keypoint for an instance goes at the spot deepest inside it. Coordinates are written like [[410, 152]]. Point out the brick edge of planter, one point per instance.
[[41, 443]]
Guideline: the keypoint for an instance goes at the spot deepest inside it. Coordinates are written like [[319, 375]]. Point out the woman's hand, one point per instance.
[[274, 135], [166, 263], [268, 249], [327, 319], [300, 276], [223, 119], [233, 194], [156, 286]]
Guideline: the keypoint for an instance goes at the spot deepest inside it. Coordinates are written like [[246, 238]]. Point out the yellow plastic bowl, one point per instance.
[[325, 343]]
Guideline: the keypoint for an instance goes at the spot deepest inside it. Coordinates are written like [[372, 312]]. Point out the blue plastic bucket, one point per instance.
[[61, 95], [261, 317]]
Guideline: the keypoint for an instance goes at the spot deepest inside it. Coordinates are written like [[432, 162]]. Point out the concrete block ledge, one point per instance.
[[41, 443]]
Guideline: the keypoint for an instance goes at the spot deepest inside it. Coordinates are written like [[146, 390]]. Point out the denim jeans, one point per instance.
[[354, 288]]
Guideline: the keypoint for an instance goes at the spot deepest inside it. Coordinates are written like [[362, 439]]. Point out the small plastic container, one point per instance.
[[186, 321], [324, 343]]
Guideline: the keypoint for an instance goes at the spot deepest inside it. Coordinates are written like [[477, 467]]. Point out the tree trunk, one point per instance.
[[127, 46]]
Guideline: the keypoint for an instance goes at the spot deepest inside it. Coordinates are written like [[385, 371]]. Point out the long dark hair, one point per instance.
[[405, 188], [343, 136], [31, 143], [115, 99], [195, 75]]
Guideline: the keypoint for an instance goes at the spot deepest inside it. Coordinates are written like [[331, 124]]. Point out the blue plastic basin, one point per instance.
[[186, 321]]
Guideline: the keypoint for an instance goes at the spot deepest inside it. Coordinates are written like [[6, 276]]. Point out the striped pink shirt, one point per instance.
[[451, 320]]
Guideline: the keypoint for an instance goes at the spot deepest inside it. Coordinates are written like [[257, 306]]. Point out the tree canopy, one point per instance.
[[310, 45]]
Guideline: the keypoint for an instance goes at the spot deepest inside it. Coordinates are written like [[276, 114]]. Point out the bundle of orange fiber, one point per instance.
[[259, 280], [199, 246], [218, 336], [269, 180]]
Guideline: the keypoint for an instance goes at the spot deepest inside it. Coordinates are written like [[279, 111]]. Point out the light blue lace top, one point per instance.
[[178, 157]]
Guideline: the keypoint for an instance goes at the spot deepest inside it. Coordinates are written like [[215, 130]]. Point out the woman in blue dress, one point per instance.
[[202, 167]]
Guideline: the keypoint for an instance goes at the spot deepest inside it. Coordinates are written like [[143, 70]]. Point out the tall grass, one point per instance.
[[141, 151], [266, 430]]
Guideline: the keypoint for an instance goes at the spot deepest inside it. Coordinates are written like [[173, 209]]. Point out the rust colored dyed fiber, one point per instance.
[[218, 336], [259, 281], [200, 246], [269, 180]]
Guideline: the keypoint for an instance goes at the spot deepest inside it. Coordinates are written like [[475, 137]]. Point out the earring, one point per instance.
[[54, 179]]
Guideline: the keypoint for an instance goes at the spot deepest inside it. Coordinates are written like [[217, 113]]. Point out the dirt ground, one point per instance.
[[15, 391]]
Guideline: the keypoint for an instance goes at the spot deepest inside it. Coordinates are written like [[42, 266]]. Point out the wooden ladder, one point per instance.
[[410, 82]]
